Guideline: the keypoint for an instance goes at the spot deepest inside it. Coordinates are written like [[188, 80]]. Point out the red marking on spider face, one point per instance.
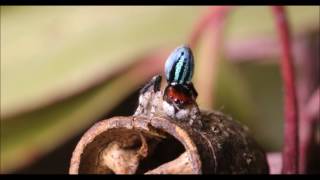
[[178, 96]]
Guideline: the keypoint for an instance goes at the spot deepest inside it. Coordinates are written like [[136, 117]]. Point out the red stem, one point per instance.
[[291, 141]]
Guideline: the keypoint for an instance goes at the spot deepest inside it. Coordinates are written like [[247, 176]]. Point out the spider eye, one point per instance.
[[179, 65]]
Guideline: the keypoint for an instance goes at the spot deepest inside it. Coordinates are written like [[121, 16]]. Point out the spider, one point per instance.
[[178, 100]]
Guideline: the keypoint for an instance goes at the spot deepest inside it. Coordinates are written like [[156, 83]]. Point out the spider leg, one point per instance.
[[147, 93], [154, 85]]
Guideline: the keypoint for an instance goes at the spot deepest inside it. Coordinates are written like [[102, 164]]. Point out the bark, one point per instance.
[[142, 145]]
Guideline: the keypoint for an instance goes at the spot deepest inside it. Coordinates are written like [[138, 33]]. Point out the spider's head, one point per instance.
[[178, 95], [179, 101]]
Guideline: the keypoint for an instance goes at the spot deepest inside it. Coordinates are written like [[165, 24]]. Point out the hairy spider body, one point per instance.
[[178, 100]]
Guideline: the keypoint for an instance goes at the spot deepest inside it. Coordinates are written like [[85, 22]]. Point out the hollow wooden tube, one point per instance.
[[158, 145]]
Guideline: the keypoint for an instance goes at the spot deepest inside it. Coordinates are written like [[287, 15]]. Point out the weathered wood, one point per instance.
[[138, 144]]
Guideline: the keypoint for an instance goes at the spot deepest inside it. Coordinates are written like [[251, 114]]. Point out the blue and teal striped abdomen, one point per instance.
[[179, 65]]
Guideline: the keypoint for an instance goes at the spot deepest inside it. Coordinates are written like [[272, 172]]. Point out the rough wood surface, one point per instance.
[[158, 145]]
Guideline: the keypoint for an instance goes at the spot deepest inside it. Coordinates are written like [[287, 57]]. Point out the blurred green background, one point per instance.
[[64, 68]]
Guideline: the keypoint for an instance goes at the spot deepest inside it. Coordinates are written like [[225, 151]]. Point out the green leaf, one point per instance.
[[255, 21], [27, 136], [50, 53]]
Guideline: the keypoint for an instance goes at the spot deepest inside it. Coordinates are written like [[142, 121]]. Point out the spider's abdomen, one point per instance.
[[179, 66]]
